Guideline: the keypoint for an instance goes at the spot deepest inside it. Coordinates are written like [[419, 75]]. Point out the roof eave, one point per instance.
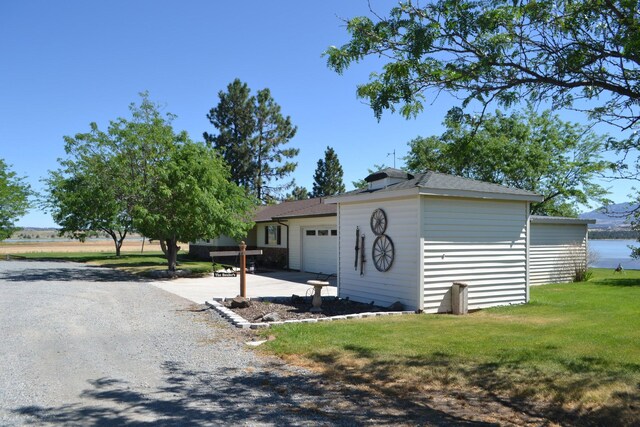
[[379, 194], [481, 195], [561, 220]]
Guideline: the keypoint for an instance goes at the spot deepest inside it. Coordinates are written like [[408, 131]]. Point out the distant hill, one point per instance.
[[613, 217]]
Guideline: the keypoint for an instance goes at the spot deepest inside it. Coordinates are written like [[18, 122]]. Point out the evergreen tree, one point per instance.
[[251, 134], [297, 193], [327, 180]]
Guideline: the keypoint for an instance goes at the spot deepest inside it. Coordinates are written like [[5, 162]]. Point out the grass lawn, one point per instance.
[[572, 353], [133, 262]]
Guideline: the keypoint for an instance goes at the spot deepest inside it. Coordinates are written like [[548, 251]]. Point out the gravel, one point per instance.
[[84, 345]]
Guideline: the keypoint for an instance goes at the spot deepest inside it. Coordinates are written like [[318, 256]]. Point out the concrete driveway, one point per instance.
[[273, 284]]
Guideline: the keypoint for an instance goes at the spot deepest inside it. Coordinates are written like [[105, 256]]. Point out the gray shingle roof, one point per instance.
[[441, 183], [293, 209]]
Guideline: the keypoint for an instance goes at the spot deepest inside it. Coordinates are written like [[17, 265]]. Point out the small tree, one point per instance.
[[251, 136], [14, 200], [327, 179]]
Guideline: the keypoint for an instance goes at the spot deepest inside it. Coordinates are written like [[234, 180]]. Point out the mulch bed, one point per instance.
[[296, 308]]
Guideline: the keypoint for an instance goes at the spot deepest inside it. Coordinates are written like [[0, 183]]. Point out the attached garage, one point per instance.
[[319, 249], [297, 235]]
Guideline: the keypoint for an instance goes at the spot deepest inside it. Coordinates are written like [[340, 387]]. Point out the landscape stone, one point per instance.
[[240, 302], [271, 317]]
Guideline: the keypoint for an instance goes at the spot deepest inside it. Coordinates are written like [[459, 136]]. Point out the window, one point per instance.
[[323, 232], [272, 235], [334, 232], [310, 232]]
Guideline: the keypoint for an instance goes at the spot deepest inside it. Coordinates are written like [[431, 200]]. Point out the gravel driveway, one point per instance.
[[83, 345]]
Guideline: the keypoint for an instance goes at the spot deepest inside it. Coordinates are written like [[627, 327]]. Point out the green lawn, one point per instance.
[[133, 262], [573, 351]]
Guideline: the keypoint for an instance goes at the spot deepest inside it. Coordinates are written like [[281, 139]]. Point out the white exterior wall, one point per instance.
[[479, 242], [555, 248], [296, 228], [401, 282]]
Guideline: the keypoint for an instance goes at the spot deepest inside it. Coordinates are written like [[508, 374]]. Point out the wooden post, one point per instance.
[[243, 269]]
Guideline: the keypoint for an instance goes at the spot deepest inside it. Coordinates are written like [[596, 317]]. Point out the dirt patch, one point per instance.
[[298, 308]]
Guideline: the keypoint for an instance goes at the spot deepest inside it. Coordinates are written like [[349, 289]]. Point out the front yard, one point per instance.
[[572, 355]]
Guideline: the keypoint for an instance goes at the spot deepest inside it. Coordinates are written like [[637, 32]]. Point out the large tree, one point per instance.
[[252, 133], [582, 54], [536, 152], [90, 192], [14, 199], [142, 175], [327, 179]]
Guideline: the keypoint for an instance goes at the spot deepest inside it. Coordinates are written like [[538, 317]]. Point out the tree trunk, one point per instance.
[[117, 243], [172, 253]]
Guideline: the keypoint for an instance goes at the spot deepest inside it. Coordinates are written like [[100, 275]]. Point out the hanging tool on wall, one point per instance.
[[355, 263], [362, 260]]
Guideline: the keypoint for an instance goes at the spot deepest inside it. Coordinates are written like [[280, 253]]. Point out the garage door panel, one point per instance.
[[319, 250]]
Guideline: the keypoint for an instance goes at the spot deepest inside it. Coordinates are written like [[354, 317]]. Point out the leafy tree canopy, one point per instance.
[[501, 50], [327, 179], [143, 175], [91, 192], [14, 200], [252, 133], [535, 152]]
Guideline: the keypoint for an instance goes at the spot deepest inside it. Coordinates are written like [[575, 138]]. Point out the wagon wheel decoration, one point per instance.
[[378, 222], [382, 253]]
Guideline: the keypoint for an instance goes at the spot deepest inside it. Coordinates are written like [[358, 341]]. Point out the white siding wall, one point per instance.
[[555, 250], [478, 242], [401, 281], [296, 227]]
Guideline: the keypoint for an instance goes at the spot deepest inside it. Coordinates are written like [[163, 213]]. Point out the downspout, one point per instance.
[[282, 223]]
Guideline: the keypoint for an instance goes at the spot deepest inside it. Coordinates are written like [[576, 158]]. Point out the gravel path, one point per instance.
[[86, 346]]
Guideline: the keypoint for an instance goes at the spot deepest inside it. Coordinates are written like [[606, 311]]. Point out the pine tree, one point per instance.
[[252, 133], [327, 180]]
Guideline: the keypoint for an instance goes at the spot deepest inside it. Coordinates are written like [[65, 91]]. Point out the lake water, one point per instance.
[[610, 253]]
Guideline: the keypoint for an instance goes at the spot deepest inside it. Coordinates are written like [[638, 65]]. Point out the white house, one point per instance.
[[423, 232], [300, 235]]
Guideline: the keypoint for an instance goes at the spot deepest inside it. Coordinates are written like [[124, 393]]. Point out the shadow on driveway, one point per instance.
[[232, 397], [49, 271]]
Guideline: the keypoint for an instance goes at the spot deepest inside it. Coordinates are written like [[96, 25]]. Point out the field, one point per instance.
[[91, 245], [570, 356]]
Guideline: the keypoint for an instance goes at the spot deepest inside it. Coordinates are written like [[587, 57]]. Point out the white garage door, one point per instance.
[[319, 250]]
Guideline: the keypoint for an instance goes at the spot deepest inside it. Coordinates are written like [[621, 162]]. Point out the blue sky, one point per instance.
[[67, 63]]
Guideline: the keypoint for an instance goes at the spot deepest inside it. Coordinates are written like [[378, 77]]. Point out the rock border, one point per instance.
[[240, 322]]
